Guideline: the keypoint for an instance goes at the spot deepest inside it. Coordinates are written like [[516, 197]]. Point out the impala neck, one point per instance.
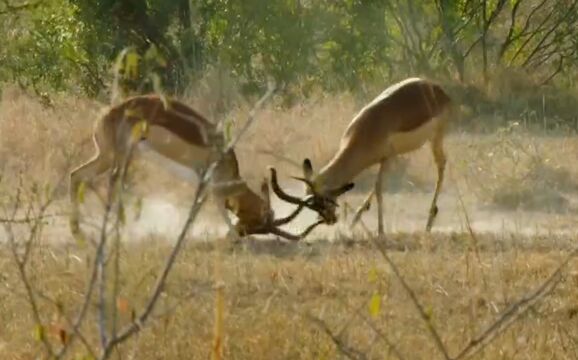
[[343, 168], [247, 206]]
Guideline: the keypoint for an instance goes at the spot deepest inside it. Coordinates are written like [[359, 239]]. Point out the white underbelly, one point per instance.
[[187, 173], [403, 142]]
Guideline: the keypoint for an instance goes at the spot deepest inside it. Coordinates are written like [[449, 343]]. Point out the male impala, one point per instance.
[[400, 120], [180, 137]]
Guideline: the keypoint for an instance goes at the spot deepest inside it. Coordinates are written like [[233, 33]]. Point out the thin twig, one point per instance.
[[377, 331], [341, 346], [21, 263], [515, 311], [436, 337], [69, 322]]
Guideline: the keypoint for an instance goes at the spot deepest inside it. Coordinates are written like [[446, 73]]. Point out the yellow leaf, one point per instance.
[[80, 192], [39, 332], [131, 65], [375, 305], [140, 130]]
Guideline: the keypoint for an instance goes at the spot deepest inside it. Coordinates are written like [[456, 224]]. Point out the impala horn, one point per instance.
[[282, 194]]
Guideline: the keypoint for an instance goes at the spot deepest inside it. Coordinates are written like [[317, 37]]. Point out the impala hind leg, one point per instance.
[[440, 161], [96, 166], [379, 196]]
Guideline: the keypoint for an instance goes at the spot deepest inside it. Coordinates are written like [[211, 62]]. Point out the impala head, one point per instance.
[[256, 216], [322, 201]]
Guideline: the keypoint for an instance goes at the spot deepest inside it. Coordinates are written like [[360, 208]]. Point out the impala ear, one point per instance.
[[307, 169], [265, 192]]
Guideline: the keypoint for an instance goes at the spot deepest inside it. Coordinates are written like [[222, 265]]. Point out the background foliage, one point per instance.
[[495, 54]]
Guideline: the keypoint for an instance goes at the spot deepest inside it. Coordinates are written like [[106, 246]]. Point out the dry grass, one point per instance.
[[271, 288]]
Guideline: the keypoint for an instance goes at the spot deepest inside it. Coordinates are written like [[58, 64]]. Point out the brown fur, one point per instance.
[[112, 139], [401, 119]]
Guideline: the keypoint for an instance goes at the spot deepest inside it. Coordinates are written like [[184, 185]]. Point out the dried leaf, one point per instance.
[[81, 192], [138, 208], [63, 336], [39, 333], [122, 305]]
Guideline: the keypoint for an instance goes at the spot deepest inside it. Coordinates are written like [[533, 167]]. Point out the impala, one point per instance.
[[401, 119], [183, 139]]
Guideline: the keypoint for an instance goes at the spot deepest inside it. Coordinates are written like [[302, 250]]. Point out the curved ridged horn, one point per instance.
[[306, 181], [290, 217], [293, 237], [282, 194]]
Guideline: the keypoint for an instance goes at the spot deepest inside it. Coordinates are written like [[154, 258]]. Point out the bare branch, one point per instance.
[[537, 48], [341, 346], [529, 20], [508, 40], [21, 262], [377, 331], [515, 311], [280, 157], [69, 322], [29, 219], [555, 72], [533, 34], [425, 317]]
